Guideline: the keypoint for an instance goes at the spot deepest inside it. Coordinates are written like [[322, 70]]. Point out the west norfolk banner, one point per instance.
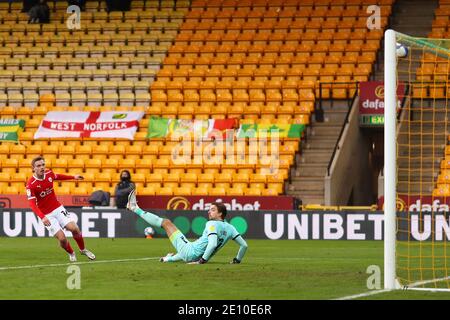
[[273, 225], [72, 124], [10, 129]]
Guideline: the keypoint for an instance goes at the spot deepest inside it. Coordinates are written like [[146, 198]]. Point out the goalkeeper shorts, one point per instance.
[[183, 246]]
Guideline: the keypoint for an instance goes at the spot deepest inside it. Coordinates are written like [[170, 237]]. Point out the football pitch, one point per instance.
[[36, 268]]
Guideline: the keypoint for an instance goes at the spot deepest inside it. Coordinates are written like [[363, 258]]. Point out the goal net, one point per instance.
[[417, 163]]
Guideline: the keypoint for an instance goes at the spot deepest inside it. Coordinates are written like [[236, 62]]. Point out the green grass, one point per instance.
[[271, 270]]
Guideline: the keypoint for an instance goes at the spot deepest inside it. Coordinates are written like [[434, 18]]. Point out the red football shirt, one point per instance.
[[41, 191]]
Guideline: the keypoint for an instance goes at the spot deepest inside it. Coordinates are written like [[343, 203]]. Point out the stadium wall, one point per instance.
[[349, 181], [233, 203], [274, 225]]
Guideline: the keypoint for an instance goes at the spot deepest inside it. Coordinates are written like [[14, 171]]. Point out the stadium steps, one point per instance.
[[307, 181], [413, 17], [309, 155]]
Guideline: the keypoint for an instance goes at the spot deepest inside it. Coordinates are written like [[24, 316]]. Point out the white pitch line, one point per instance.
[[74, 263], [362, 295]]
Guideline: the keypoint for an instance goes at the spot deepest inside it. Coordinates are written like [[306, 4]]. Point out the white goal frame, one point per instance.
[[390, 168]]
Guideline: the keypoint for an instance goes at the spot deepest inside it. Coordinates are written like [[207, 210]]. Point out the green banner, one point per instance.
[[157, 127], [10, 129], [271, 130], [162, 127]]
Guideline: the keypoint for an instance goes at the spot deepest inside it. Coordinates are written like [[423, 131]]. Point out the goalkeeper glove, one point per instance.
[[235, 260]]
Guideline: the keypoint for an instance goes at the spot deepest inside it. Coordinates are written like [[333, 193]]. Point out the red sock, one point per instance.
[[79, 239], [68, 248]]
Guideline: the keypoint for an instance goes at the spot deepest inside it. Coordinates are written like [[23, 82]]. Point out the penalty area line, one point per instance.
[[75, 263]]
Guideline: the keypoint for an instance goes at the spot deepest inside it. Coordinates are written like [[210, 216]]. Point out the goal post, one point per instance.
[[390, 152], [416, 163]]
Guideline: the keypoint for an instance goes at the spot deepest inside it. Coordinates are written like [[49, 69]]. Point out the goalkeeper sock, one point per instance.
[[151, 218]]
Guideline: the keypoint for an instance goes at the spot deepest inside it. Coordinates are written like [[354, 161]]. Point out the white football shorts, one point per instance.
[[58, 218]]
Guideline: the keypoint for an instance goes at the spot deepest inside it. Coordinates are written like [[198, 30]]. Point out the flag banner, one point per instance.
[[72, 124], [271, 130], [206, 129], [10, 129]]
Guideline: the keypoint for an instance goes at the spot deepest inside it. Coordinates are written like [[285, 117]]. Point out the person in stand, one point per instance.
[[39, 13], [123, 189]]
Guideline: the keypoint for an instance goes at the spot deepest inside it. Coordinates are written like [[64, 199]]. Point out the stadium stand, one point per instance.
[[257, 61]]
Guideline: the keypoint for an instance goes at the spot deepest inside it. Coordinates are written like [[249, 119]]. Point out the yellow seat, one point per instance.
[[171, 177], [165, 191], [11, 190], [189, 177], [17, 149], [442, 190], [200, 191], [253, 192], [83, 149], [4, 176], [69, 149], [19, 177], [127, 163], [93, 163], [144, 163], [206, 177], [148, 191], [223, 177], [62, 190], [34, 150], [172, 185], [89, 177], [139, 178], [101, 149], [183, 191], [75, 163], [217, 192], [110, 163], [162, 163], [105, 186], [81, 190], [103, 177], [133, 149], [59, 164], [235, 191]]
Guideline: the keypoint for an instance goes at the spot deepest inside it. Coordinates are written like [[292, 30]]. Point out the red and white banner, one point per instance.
[[89, 124]]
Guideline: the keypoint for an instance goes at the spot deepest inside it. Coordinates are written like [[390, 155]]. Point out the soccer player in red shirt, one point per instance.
[[42, 199]]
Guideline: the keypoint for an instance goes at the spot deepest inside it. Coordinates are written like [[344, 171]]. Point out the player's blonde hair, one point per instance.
[[36, 159]]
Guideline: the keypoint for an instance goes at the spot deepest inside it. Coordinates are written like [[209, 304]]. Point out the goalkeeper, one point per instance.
[[216, 234]]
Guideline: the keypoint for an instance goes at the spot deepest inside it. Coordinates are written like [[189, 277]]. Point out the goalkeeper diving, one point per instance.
[[216, 234]]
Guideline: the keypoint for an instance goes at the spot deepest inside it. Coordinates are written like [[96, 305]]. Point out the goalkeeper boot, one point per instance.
[[164, 259], [73, 257], [132, 203], [88, 254]]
